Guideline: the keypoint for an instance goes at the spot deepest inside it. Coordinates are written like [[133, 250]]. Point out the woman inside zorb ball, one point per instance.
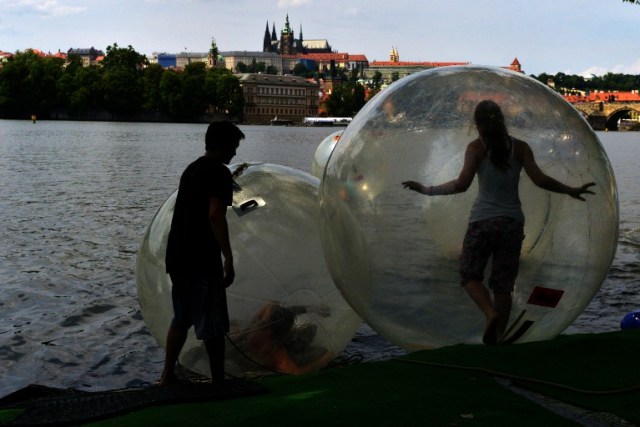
[[491, 148], [496, 221]]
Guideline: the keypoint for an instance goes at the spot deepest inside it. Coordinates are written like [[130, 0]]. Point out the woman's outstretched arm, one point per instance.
[[543, 180], [472, 157]]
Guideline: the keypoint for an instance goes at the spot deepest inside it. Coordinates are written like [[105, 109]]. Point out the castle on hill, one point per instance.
[[287, 44]]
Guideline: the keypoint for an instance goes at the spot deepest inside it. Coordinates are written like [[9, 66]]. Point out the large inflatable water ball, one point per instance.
[[323, 152], [394, 253], [285, 312], [631, 321]]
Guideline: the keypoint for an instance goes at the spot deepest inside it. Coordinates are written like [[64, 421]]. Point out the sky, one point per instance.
[[581, 37]]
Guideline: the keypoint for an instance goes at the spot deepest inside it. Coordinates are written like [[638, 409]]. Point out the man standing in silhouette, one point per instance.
[[198, 242]]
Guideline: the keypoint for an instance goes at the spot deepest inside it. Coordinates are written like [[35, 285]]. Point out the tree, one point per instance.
[[211, 85], [256, 67], [271, 70], [123, 85], [193, 90], [230, 98], [572, 83], [171, 94], [301, 70], [152, 76], [28, 84], [345, 100], [376, 80], [80, 90], [122, 92], [126, 58]]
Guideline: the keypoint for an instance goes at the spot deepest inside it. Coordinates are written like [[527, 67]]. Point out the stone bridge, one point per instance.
[[605, 115]]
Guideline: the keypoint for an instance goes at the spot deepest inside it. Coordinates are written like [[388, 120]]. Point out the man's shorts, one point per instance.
[[201, 303], [501, 237]]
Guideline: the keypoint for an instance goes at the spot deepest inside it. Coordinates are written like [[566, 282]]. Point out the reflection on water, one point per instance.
[[76, 199]]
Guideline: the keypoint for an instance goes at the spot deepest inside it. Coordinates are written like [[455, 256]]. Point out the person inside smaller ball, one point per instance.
[[496, 220], [279, 343]]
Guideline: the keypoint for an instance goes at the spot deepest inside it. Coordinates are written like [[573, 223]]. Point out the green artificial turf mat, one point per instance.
[[460, 385]]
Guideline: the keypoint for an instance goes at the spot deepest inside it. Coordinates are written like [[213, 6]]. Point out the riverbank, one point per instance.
[[571, 380]]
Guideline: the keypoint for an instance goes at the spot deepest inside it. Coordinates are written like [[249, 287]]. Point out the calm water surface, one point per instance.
[[76, 198]]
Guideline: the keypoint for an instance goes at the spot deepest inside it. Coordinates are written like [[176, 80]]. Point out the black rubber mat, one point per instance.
[[52, 407]]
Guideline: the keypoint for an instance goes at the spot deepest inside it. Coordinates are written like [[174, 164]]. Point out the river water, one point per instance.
[[76, 198]]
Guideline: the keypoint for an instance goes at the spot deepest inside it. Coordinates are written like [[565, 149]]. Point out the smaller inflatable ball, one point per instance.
[[394, 253], [631, 321], [286, 314], [323, 152]]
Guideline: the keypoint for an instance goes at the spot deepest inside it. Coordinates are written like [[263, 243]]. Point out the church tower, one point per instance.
[[266, 44], [287, 46], [300, 47], [213, 54], [394, 56]]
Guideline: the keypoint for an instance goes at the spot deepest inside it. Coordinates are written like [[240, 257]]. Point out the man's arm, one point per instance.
[[218, 220]]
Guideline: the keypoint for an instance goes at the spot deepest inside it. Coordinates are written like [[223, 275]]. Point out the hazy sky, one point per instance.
[[569, 36]]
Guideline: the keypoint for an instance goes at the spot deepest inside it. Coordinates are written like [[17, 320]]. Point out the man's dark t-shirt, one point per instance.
[[192, 249]]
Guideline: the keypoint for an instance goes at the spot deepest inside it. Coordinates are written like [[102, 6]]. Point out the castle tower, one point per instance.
[[515, 65], [394, 56], [287, 46], [300, 47], [266, 44], [213, 53]]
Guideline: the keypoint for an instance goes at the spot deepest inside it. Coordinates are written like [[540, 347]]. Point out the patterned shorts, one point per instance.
[[501, 237], [200, 303]]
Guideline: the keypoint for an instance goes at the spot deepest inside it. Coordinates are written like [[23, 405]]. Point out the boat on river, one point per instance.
[[628, 124], [326, 121], [281, 122]]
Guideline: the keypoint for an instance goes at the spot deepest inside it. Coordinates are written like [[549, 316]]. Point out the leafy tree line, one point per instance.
[[124, 85], [256, 67], [348, 95], [571, 84]]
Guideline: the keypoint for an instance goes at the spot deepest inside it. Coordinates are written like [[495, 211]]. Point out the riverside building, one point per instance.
[[278, 99]]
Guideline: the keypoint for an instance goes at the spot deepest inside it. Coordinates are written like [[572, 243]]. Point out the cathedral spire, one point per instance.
[[266, 44], [287, 40], [287, 27], [213, 53]]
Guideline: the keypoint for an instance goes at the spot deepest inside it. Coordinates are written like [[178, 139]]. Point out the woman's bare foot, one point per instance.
[[490, 336]]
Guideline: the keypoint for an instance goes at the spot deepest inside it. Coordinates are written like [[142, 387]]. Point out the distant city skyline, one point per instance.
[[572, 36]]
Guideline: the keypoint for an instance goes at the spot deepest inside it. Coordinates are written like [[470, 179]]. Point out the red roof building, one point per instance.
[[394, 68], [323, 62], [4, 57], [604, 96]]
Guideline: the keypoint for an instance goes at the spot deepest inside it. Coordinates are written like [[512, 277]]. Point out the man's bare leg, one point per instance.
[[216, 353], [175, 342]]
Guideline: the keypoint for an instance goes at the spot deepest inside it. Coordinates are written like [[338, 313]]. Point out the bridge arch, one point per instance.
[[620, 113]]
